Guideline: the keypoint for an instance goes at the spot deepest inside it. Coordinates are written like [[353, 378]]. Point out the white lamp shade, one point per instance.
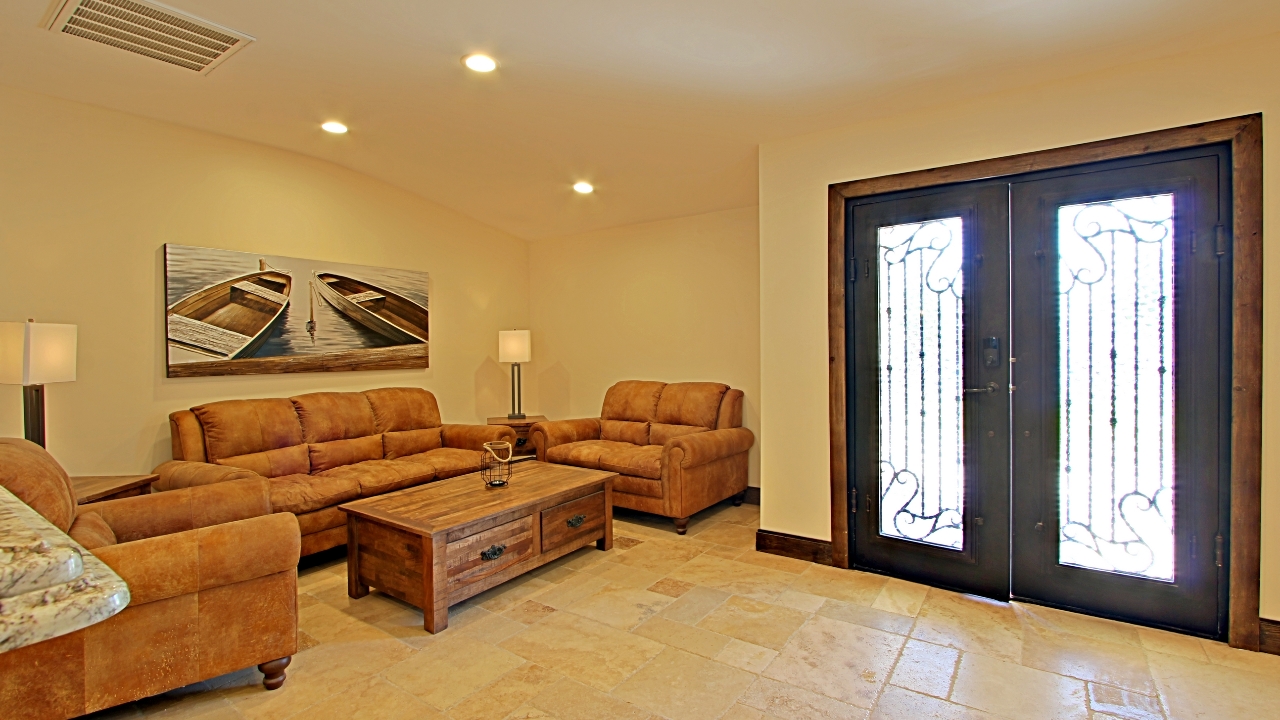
[[514, 346], [37, 353]]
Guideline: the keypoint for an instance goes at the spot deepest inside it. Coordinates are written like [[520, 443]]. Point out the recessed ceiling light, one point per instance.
[[334, 127], [480, 63], [583, 187]]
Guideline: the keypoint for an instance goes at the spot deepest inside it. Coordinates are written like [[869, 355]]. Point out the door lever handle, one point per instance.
[[990, 388]]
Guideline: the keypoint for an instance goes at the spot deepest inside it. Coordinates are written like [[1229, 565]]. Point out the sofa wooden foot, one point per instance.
[[273, 672], [682, 525], [739, 498]]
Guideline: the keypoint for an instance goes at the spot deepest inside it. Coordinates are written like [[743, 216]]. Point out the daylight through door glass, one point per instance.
[[1116, 340], [921, 300]]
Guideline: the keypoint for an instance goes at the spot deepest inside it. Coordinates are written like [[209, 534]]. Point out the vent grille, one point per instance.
[[151, 29]]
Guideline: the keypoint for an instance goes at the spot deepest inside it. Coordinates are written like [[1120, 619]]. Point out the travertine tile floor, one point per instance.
[[702, 626]]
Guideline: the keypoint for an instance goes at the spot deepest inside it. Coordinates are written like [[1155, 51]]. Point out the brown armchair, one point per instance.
[[677, 448], [212, 576]]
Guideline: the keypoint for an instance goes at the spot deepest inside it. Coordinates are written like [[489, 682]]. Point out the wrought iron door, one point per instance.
[[929, 424]]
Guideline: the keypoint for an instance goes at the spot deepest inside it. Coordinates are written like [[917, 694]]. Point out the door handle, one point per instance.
[[990, 388]]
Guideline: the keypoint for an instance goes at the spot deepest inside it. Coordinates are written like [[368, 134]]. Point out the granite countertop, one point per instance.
[[49, 584]]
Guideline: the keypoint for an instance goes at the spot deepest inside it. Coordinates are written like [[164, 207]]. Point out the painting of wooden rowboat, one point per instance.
[[233, 318], [382, 311]]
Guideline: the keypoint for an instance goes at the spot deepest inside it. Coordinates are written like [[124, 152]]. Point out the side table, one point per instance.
[[96, 488], [522, 430]]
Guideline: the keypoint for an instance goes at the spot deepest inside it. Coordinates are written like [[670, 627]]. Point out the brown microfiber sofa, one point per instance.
[[323, 449], [677, 448], [212, 576]]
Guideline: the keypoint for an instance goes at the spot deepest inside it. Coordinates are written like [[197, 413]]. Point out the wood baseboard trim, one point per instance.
[[753, 496], [1269, 636], [794, 546]]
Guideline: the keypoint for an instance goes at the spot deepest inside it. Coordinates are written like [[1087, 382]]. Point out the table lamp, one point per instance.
[[31, 355], [515, 347]]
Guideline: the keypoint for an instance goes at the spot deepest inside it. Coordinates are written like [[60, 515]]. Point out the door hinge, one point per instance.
[[1217, 551], [1220, 240]]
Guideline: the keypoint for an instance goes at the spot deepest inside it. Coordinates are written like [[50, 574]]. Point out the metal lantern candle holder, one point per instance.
[[495, 465]]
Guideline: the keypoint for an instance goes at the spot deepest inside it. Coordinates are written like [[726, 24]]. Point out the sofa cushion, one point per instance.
[[634, 400], [637, 486], [272, 463], [447, 462], [327, 416], [321, 520], [643, 461], [243, 427], [730, 410], [30, 472], [403, 409], [304, 493], [91, 531], [374, 477], [694, 403], [584, 453], [636, 433], [660, 433], [410, 442], [336, 453]]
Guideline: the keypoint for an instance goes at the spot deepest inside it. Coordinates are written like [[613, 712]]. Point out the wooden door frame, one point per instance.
[[1245, 136]]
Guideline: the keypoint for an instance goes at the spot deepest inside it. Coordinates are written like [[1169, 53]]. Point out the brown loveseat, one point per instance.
[[323, 449], [677, 448], [212, 576]]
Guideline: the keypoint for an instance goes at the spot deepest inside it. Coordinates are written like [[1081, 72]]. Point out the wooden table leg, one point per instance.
[[355, 588], [606, 542], [435, 581]]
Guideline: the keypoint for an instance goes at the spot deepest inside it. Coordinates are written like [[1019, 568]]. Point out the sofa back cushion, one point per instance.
[[335, 453], [632, 400], [410, 442], [243, 427], [694, 403], [186, 436], [31, 473], [636, 433], [730, 410], [660, 433], [396, 409], [271, 463], [327, 416]]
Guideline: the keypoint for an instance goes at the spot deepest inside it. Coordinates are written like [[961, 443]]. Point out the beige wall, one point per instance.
[[89, 196], [794, 174], [674, 300]]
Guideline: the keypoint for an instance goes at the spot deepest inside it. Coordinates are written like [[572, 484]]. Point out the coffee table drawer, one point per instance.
[[485, 553], [573, 520]]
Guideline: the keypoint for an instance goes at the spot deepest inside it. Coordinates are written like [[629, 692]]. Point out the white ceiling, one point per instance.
[[660, 103]]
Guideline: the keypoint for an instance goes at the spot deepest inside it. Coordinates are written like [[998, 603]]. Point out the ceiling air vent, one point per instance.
[[147, 28]]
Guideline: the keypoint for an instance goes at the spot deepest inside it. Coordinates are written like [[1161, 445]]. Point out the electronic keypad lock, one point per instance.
[[991, 353]]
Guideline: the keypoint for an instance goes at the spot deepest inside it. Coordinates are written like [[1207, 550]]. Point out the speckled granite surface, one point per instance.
[[49, 585]]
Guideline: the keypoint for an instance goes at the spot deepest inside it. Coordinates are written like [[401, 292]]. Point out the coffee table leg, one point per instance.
[[435, 581], [606, 542], [355, 588]]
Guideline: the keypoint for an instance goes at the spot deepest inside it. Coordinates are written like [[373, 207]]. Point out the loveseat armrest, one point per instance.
[[545, 435], [171, 565], [159, 514], [703, 447], [473, 437], [180, 474]]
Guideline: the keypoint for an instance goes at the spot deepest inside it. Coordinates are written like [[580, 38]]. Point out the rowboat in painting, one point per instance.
[[382, 311], [230, 319]]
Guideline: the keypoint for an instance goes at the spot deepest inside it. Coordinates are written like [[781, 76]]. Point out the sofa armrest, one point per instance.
[[179, 474], [546, 435], [158, 514], [171, 565], [473, 437], [704, 447]]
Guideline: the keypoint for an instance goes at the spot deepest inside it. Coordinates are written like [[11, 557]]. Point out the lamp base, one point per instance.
[[33, 413], [515, 416]]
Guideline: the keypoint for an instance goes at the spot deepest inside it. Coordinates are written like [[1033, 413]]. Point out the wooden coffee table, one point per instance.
[[436, 545]]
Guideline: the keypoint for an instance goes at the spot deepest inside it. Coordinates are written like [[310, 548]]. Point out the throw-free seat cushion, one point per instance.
[[375, 477], [640, 460], [585, 453], [633, 485], [304, 493], [446, 462]]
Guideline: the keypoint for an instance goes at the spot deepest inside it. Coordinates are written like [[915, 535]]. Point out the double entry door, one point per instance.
[[1039, 387]]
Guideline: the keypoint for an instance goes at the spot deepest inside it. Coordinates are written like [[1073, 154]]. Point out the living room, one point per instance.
[[712, 140]]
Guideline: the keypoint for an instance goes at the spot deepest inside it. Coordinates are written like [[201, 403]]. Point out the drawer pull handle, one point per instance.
[[576, 520], [493, 553]]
